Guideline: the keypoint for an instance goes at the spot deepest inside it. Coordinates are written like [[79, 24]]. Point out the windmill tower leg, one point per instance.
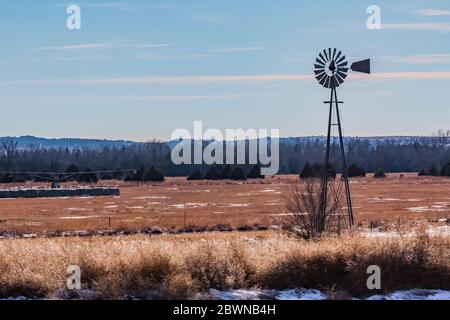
[[324, 195], [344, 165]]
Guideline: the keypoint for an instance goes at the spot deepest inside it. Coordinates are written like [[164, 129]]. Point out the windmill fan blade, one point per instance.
[[319, 66], [317, 72], [343, 64], [341, 74], [329, 53], [343, 70], [320, 78], [340, 60], [325, 53], [339, 54], [339, 78], [322, 81], [324, 61], [361, 66], [334, 53], [320, 62]]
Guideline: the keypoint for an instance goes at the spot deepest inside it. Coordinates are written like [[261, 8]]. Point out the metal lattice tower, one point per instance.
[[331, 70]]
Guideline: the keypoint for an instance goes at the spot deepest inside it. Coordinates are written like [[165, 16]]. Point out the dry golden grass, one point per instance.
[[183, 265]]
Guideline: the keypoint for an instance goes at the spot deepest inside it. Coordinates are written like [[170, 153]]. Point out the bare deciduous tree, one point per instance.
[[306, 221], [443, 138]]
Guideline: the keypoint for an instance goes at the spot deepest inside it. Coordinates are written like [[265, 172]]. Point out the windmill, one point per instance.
[[331, 69]]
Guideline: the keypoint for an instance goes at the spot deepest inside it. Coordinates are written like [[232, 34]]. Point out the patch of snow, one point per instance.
[[79, 217], [434, 208], [314, 294], [237, 205], [415, 294], [190, 205], [257, 294], [150, 197]]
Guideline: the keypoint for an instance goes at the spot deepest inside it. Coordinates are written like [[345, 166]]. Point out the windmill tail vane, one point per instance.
[[331, 69]]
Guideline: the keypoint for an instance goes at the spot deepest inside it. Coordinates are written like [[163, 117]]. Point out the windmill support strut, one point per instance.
[[334, 107]]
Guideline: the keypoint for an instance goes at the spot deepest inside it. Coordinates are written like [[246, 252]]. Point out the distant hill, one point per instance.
[[25, 142]]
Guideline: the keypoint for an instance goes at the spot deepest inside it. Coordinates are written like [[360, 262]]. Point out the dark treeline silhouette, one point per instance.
[[444, 171], [390, 155], [227, 172]]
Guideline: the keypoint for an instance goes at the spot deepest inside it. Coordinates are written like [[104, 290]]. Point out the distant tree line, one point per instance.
[[428, 155]]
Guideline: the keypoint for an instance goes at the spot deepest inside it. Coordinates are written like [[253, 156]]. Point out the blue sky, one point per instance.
[[141, 69]]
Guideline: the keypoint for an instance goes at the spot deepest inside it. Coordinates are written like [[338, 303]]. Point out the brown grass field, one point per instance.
[[176, 202]]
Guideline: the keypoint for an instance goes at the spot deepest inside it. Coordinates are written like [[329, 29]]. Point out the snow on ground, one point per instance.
[[432, 230], [313, 294], [79, 217], [415, 294], [434, 208], [292, 294]]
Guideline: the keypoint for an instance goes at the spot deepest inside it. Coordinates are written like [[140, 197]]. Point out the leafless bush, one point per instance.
[[307, 219]]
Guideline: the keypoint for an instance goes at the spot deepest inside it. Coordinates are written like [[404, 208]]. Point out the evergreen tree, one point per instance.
[[153, 175], [212, 173], [225, 174], [255, 173], [238, 174], [71, 173], [433, 171], [356, 171], [307, 172], [196, 175]]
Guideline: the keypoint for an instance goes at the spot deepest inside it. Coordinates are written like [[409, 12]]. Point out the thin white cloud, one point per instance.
[[432, 12], [231, 78], [237, 49], [424, 59], [108, 45], [443, 26], [77, 46]]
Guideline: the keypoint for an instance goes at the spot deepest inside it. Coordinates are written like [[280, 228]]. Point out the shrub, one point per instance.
[[379, 174], [307, 219]]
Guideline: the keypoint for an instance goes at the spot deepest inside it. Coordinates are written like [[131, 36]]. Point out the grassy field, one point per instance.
[[184, 266], [175, 203], [172, 266]]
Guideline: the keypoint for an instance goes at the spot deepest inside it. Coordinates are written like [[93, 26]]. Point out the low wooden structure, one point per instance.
[[63, 192]]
